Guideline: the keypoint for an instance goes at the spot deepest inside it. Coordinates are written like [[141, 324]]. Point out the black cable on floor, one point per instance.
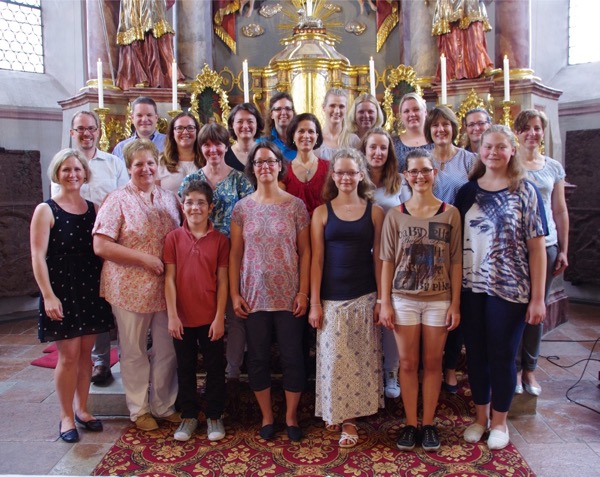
[[553, 359]]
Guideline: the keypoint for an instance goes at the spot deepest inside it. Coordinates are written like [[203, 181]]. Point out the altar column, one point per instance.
[[422, 47], [513, 32], [194, 36], [96, 22]]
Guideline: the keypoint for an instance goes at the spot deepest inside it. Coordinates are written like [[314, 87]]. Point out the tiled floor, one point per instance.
[[562, 440]]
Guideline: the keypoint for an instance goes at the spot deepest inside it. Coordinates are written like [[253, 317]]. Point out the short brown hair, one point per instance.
[[443, 112], [528, 114], [138, 145], [61, 156], [249, 167]]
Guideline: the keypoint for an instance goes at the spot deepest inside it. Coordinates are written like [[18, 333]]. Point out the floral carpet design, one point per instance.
[[244, 453]]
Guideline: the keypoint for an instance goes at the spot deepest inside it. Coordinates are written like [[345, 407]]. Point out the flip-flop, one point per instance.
[[348, 440]]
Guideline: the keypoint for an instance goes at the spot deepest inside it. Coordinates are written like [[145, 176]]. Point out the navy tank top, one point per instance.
[[348, 270]]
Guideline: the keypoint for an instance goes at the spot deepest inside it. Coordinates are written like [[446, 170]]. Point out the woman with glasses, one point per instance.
[[453, 165], [281, 112], [476, 122], [549, 177], [335, 127], [306, 173], [420, 292], [269, 267], [365, 113], [181, 155], [245, 124], [413, 111], [344, 305]]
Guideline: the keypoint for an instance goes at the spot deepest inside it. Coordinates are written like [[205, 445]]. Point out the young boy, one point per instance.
[[196, 257]]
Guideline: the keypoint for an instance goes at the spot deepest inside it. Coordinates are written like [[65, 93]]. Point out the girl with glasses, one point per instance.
[[345, 271], [420, 292]]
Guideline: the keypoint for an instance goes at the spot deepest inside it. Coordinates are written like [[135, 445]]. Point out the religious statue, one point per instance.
[[146, 44], [460, 26]]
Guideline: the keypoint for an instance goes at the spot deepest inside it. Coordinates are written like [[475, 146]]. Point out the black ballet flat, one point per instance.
[[69, 436], [94, 425], [267, 432], [294, 433]]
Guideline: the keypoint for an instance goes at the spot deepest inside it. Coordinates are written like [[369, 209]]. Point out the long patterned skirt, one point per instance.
[[349, 373]]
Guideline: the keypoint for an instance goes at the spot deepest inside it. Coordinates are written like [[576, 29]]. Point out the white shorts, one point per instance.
[[414, 312]]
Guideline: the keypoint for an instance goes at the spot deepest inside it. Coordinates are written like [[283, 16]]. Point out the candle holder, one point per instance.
[[104, 142], [506, 116], [175, 112]]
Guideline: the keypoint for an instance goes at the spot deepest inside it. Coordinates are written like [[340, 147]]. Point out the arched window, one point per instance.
[[21, 46]]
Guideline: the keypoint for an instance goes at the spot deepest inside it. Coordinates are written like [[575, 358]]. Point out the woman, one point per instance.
[[245, 124], [420, 292], [345, 272], [269, 267], [335, 130], [67, 272], [182, 153], [390, 191], [129, 235], [229, 186], [307, 174], [453, 165], [413, 111], [476, 122], [365, 113], [504, 266], [549, 177]]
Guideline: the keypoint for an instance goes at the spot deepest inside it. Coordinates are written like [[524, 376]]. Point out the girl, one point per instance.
[[335, 129], [504, 268], [345, 272], [420, 291], [413, 111]]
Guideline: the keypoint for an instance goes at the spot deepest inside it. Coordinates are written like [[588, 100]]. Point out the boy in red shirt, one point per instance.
[[196, 257]]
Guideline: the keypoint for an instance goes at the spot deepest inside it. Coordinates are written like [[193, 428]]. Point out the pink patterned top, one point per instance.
[[137, 223], [270, 275]]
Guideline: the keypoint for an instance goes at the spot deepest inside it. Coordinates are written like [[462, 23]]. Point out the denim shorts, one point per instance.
[[415, 312]]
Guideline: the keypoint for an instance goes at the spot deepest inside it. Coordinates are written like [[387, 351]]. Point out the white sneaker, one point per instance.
[[474, 433], [392, 388], [498, 439], [215, 429], [185, 429]]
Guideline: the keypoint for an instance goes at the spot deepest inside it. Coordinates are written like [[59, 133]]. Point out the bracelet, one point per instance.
[[378, 301], [316, 304], [302, 293]]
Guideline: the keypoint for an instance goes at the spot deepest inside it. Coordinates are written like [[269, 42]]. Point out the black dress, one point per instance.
[[74, 272]]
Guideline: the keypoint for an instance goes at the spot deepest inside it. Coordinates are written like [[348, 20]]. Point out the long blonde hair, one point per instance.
[[344, 137], [514, 171]]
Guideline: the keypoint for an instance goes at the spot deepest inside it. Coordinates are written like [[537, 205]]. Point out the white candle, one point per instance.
[[100, 84], [506, 79], [174, 84], [309, 8], [372, 76], [246, 81], [444, 99]]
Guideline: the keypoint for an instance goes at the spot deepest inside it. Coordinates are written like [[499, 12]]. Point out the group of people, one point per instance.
[[394, 249]]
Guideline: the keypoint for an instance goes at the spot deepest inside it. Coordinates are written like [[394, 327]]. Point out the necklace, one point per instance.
[[308, 169]]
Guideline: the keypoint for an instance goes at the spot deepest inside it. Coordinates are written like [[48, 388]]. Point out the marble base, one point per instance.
[[109, 400]]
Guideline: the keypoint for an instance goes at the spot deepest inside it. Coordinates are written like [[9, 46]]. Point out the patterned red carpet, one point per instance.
[[244, 453]]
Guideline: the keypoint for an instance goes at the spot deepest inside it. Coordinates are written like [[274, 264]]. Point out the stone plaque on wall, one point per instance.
[[20, 192], [582, 151]]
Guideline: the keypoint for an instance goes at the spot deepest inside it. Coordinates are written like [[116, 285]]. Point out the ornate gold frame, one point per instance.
[[209, 79], [395, 76]]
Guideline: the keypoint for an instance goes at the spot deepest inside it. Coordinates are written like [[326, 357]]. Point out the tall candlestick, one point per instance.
[[100, 84], [506, 79], [444, 99], [372, 76], [246, 81], [174, 84]]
